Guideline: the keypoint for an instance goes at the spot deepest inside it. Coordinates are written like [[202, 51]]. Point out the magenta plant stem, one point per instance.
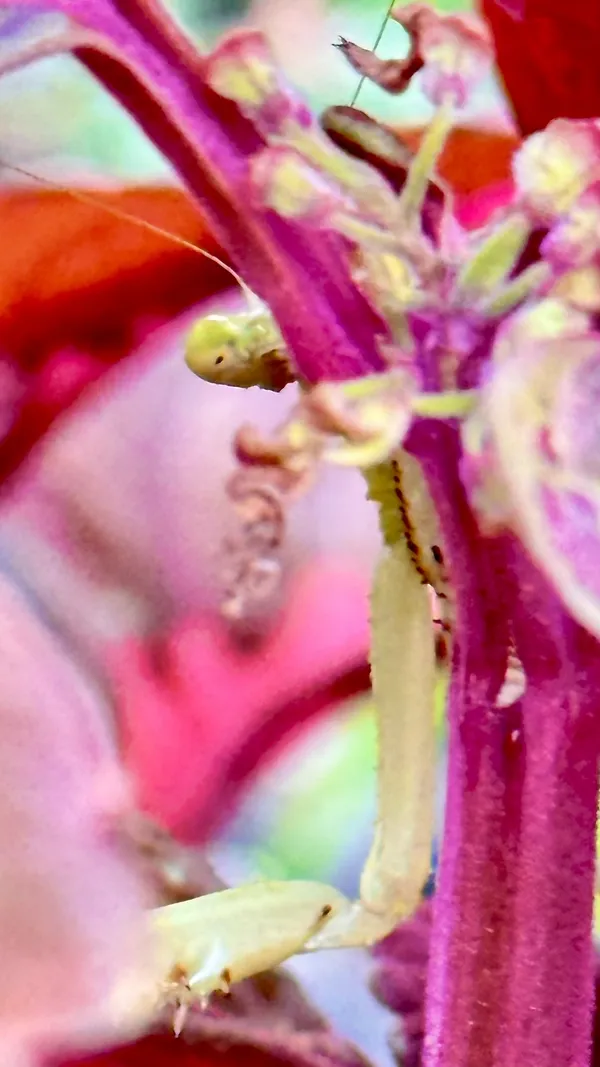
[[550, 995], [473, 910], [511, 968], [550, 992]]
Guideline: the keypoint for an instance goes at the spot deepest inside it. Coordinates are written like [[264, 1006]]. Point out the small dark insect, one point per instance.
[[437, 554]]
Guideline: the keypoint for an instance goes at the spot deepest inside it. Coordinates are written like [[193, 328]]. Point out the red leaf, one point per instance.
[[198, 721], [70, 272], [226, 1042], [547, 52], [73, 278], [163, 1050]]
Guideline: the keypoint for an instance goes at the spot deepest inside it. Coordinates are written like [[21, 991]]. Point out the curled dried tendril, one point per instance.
[[253, 573], [453, 52], [357, 423], [271, 474]]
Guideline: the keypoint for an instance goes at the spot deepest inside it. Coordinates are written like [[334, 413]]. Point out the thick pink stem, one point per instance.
[[471, 941], [511, 969], [549, 997], [511, 965], [550, 994]]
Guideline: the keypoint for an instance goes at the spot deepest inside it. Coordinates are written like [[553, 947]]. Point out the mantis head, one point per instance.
[[218, 350]]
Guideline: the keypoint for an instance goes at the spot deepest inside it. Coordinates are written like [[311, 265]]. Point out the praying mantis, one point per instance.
[[248, 349], [204, 945]]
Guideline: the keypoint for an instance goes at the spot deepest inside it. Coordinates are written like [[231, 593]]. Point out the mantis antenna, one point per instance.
[[94, 201], [219, 348], [88, 198]]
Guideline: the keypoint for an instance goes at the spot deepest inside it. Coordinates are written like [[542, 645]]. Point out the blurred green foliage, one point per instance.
[[311, 815]]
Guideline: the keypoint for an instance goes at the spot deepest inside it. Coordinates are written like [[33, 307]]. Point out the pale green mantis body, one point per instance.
[[206, 944], [203, 945], [265, 923]]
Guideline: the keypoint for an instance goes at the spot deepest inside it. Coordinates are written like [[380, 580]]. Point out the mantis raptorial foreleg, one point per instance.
[[403, 677], [403, 672], [205, 944]]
